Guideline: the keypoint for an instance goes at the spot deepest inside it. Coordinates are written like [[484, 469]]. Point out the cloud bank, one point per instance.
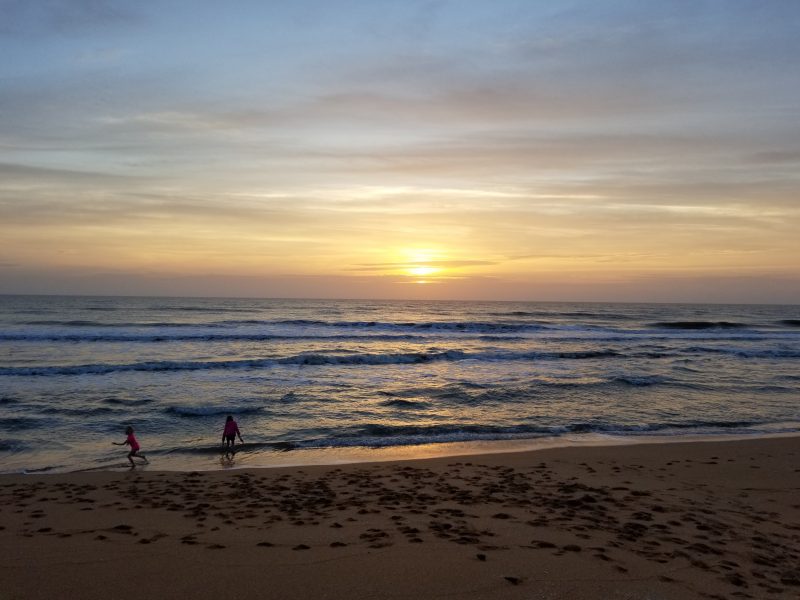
[[591, 150]]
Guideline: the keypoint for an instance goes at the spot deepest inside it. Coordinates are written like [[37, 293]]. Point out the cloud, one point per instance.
[[410, 264], [18, 173], [23, 18], [529, 138], [553, 93]]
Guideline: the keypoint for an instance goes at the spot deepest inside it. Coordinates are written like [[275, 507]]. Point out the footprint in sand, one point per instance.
[[301, 547]]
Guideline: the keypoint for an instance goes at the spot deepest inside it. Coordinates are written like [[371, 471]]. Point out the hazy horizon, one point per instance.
[[574, 151], [356, 299]]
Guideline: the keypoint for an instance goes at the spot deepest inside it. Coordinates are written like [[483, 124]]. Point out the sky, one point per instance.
[[462, 149]]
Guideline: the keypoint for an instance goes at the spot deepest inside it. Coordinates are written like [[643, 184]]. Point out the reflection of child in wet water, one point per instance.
[[230, 432], [131, 441]]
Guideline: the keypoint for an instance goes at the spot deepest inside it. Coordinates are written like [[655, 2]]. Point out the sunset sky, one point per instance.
[[529, 150]]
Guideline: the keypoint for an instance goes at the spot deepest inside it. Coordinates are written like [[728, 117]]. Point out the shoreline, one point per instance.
[[700, 519], [308, 457]]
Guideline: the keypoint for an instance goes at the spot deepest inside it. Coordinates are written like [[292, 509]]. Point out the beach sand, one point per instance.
[[678, 520]]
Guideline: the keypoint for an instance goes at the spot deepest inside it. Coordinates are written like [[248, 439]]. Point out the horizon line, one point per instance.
[[415, 300]]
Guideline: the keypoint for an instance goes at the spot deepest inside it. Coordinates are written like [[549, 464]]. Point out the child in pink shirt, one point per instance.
[[131, 441], [230, 432]]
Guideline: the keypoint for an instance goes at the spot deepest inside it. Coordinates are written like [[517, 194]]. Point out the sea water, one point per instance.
[[323, 380]]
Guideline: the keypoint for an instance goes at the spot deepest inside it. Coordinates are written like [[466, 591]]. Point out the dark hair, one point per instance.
[[230, 418], [129, 430]]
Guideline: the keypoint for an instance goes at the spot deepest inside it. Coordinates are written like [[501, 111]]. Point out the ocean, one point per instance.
[[337, 380]]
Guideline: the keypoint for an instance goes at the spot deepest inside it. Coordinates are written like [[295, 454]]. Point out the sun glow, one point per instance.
[[422, 271], [422, 264]]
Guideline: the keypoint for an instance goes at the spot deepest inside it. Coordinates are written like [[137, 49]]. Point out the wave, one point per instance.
[[258, 330], [46, 469], [745, 353], [607, 428], [613, 380], [101, 324], [379, 435], [305, 359], [437, 326], [215, 449], [561, 314], [9, 445], [384, 436], [578, 354], [638, 381], [404, 404], [126, 402], [165, 337], [289, 398], [201, 309], [343, 358], [210, 411], [78, 412], [780, 353], [222, 337], [425, 326], [20, 423], [459, 391], [699, 325]]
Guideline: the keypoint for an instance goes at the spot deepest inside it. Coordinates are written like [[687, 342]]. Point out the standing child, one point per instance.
[[230, 432], [131, 441]]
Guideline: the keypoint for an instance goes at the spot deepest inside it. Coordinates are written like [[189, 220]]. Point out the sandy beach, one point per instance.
[[680, 520]]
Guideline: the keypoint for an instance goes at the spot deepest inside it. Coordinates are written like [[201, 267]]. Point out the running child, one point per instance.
[[131, 441]]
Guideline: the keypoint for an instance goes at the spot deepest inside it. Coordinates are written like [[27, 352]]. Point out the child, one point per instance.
[[230, 432], [131, 441]]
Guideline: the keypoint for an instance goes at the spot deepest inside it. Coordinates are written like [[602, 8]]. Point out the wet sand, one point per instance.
[[687, 520]]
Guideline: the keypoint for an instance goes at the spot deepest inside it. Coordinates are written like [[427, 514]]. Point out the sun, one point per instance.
[[422, 271], [421, 263]]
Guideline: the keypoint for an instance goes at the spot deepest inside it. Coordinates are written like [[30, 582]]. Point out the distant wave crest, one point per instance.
[[305, 359], [208, 411], [442, 326], [211, 337], [700, 325]]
